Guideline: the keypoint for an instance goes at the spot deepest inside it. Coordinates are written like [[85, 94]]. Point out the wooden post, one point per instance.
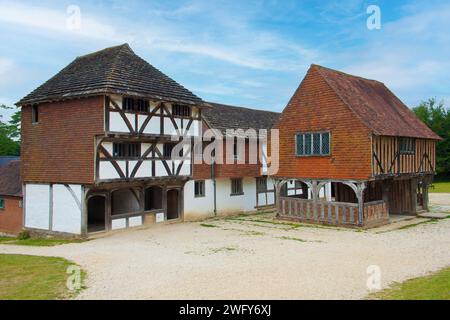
[[315, 196], [360, 195], [414, 182], [386, 187], [425, 186]]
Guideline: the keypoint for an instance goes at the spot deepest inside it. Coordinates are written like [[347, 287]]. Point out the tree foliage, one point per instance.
[[437, 118], [10, 134]]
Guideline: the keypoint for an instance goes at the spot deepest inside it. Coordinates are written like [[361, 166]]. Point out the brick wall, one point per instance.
[[203, 171], [11, 216], [60, 148], [316, 107]]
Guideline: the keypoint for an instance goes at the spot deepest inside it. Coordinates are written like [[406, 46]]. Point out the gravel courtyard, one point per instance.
[[252, 257]]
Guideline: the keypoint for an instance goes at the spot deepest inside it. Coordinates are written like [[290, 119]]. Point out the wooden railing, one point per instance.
[[332, 213]]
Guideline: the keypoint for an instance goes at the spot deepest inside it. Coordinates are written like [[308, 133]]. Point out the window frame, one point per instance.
[[138, 105], [35, 114], [262, 181], [410, 144], [183, 110], [311, 147], [202, 188], [2, 203], [126, 150], [239, 192]]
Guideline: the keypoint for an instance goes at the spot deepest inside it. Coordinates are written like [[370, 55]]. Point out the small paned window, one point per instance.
[[236, 187], [128, 104], [142, 105], [313, 144], [35, 114], [181, 110], [2, 203], [261, 184], [126, 150], [199, 188], [407, 146]]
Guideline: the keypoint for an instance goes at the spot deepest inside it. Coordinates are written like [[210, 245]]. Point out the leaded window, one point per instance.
[[313, 144]]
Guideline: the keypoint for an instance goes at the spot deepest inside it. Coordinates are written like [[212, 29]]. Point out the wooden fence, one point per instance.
[[332, 213]]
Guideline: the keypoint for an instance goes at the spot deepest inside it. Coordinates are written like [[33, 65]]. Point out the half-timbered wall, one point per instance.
[[159, 119], [388, 160], [151, 163]]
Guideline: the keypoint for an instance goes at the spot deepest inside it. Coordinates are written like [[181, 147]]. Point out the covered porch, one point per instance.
[[115, 206], [363, 204]]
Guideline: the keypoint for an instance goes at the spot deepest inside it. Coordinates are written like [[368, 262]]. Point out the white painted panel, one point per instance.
[[108, 146], [194, 129], [185, 169], [169, 129], [291, 192], [116, 123], [153, 126], [160, 170], [134, 221], [107, 171], [66, 210], [37, 206], [270, 198], [159, 217], [119, 224], [144, 171], [262, 199]]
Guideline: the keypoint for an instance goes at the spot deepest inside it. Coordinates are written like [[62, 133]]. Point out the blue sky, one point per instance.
[[248, 53]]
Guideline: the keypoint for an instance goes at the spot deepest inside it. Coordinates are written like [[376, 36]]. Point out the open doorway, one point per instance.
[[172, 204], [96, 214]]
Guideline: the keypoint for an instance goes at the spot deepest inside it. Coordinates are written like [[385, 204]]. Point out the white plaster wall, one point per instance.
[[198, 208], [117, 124], [229, 204], [144, 171], [66, 211], [169, 129], [107, 171], [160, 170], [153, 126], [37, 206]]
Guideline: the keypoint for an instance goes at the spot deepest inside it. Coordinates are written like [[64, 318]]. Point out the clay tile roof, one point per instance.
[[112, 70], [223, 117], [10, 181], [378, 108]]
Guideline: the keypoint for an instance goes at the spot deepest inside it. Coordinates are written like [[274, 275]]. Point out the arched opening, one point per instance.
[[295, 189], [343, 193], [172, 204], [153, 198], [124, 201], [96, 214]]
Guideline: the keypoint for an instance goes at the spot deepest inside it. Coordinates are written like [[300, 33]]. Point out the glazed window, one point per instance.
[[236, 187], [199, 189], [313, 144], [261, 184], [168, 148], [407, 146], [34, 113], [126, 150], [181, 110], [128, 104], [2, 203], [142, 105]]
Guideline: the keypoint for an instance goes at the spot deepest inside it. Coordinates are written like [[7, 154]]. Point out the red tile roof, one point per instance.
[[378, 108], [10, 181]]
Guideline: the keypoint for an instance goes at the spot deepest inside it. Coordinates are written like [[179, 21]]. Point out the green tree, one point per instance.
[[437, 118], [10, 134]]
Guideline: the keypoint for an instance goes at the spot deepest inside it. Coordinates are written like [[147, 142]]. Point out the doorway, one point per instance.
[[96, 214], [173, 204]]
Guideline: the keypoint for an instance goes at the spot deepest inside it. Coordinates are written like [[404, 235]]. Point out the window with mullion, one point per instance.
[[313, 144]]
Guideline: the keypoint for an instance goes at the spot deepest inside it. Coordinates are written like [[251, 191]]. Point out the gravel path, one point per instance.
[[246, 258]]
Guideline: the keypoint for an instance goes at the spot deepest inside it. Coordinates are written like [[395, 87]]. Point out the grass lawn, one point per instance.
[[433, 287], [39, 242], [25, 277], [441, 187]]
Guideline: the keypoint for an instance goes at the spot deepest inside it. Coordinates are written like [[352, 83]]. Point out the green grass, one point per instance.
[[38, 242], [440, 187], [206, 225], [25, 277], [433, 287]]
